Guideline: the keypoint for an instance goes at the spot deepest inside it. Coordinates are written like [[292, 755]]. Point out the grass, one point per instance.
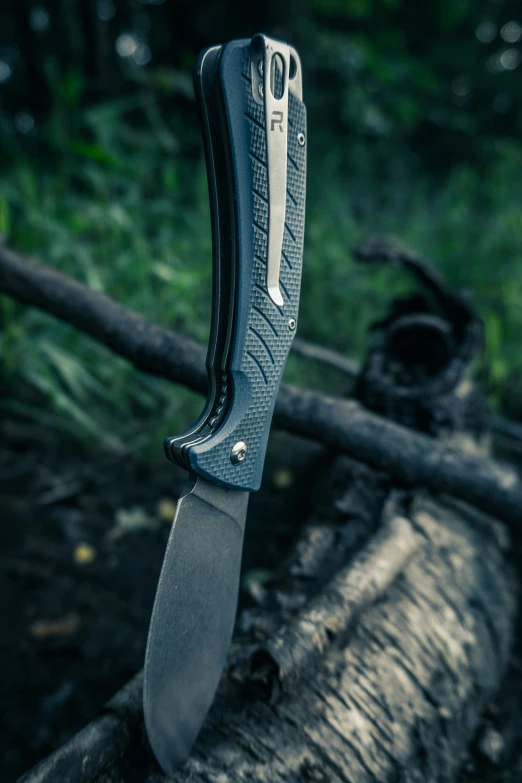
[[127, 213]]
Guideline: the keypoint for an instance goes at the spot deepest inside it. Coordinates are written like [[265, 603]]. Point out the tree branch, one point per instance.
[[409, 457], [149, 347], [500, 425], [326, 357]]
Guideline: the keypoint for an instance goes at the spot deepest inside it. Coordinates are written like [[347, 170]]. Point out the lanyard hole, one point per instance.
[[277, 76]]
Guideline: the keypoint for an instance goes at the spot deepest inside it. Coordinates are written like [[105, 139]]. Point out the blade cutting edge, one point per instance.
[[193, 617]]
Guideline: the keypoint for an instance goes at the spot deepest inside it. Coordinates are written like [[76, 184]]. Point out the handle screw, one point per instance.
[[301, 139], [292, 324], [238, 453], [260, 67], [261, 91]]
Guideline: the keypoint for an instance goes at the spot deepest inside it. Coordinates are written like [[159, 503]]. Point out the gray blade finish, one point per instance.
[[193, 617]]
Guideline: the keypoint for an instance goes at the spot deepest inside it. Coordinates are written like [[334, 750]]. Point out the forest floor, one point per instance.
[[81, 545], [81, 542]]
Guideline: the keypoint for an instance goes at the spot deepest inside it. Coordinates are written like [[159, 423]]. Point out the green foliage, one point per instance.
[[413, 128], [471, 227], [126, 217], [439, 77]]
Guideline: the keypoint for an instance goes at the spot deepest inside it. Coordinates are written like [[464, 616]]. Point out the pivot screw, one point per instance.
[[238, 453], [301, 139], [292, 324]]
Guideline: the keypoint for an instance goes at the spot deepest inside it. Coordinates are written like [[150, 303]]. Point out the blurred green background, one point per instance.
[[415, 118]]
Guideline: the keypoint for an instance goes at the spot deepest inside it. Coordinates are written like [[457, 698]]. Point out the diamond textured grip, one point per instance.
[[262, 330]]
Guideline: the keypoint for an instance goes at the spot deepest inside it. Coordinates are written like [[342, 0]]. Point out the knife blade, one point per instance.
[[253, 120]]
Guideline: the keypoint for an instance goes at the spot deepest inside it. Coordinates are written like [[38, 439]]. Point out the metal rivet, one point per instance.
[[291, 324], [261, 91], [238, 453], [301, 139]]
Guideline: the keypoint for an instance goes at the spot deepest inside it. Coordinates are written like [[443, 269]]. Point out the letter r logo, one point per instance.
[[277, 119]]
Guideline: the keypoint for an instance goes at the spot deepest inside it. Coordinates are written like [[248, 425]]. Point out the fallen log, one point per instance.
[[343, 425], [393, 694], [293, 649]]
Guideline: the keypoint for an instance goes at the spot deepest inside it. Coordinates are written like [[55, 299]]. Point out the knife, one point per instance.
[[249, 94]]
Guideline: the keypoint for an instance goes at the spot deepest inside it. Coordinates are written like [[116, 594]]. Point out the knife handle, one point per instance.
[[263, 140]]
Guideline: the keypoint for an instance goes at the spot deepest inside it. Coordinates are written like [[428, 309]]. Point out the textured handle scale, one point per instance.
[[263, 332]]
